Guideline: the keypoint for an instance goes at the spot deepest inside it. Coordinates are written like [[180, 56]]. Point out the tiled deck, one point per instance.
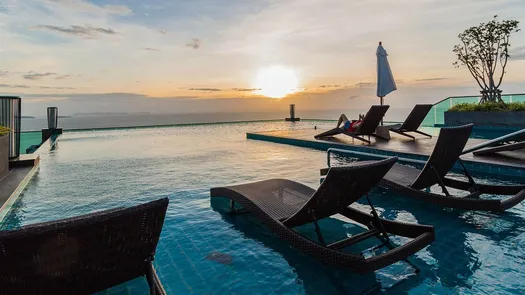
[[508, 163]]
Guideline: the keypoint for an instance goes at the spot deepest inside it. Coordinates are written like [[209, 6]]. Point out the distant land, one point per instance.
[[64, 116], [110, 114], [27, 117]]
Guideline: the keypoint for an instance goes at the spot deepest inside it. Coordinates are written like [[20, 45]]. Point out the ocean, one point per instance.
[[145, 119]]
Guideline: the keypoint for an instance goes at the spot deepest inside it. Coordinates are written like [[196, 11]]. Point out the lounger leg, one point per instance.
[[361, 139], [402, 133], [440, 182], [149, 278], [385, 239], [377, 219], [422, 133], [470, 179], [318, 232]]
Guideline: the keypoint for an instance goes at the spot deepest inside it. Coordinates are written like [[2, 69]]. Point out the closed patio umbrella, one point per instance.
[[385, 80]]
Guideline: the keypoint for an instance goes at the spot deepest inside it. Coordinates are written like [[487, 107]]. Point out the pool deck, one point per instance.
[[21, 170], [507, 163]]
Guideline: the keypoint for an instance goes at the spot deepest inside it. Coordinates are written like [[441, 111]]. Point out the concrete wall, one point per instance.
[[509, 119], [4, 155]]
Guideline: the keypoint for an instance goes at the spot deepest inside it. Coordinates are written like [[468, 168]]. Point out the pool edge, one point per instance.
[[6, 207]]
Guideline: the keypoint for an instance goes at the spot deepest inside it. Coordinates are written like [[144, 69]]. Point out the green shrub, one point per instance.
[[489, 107], [4, 130]]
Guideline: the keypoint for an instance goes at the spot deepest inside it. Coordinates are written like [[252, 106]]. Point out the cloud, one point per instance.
[[29, 86], [3, 73], [430, 79], [195, 43], [364, 84], [74, 30], [517, 53], [37, 76], [205, 89], [13, 86], [50, 87], [118, 9], [150, 49], [62, 77], [246, 89], [328, 86], [85, 6], [208, 89]]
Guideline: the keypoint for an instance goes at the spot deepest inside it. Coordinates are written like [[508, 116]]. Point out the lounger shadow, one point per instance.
[[283, 204], [413, 121], [84, 254], [367, 128]]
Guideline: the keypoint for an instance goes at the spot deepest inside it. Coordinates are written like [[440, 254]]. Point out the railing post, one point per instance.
[[10, 117], [435, 115], [52, 124], [52, 118]]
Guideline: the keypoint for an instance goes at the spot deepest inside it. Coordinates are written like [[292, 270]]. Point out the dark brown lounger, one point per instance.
[[84, 254], [510, 142], [283, 204], [413, 121], [410, 181], [367, 128]]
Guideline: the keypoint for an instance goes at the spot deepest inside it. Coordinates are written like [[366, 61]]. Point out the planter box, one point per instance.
[[509, 119], [4, 155]]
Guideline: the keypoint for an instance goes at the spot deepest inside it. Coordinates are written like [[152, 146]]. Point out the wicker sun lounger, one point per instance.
[[413, 121], [410, 181], [367, 128], [283, 204], [84, 254], [510, 142]]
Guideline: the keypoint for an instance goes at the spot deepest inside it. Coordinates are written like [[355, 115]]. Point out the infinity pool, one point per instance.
[[474, 253]]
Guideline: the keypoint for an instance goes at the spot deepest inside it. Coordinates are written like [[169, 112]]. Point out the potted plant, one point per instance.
[[487, 114], [4, 151], [484, 51]]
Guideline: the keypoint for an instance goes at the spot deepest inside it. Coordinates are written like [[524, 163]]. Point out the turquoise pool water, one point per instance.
[[28, 139], [475, 253]]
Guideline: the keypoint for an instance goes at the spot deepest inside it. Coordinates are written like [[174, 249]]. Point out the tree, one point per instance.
[[484, 50]]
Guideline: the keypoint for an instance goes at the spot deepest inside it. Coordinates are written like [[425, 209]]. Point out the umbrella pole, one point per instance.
[[381, 104]]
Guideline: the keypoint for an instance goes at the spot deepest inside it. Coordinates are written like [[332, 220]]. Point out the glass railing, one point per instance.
[[436, 116]]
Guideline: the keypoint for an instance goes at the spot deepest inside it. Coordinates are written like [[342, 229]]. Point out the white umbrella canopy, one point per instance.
[[385, 79]]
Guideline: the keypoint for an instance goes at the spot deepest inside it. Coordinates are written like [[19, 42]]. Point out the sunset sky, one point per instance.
[[182, 56]]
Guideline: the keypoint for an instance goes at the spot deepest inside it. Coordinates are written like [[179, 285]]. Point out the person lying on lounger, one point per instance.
[[348, 125]]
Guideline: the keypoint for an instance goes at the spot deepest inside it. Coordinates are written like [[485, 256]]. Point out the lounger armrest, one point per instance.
[[485, 188], [324, 171], [401, 252], [394, 126], [513, 201]]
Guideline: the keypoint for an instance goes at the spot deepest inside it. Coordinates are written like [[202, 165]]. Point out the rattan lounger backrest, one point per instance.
[[450, 144], [416, 117], [342, 187], [372, 119], [81, 255]]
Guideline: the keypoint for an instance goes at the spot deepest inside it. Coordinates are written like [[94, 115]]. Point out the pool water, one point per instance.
[[204, 251], [28, 139]]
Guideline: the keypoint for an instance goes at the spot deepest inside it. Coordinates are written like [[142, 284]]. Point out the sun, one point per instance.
[[276, 82]]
